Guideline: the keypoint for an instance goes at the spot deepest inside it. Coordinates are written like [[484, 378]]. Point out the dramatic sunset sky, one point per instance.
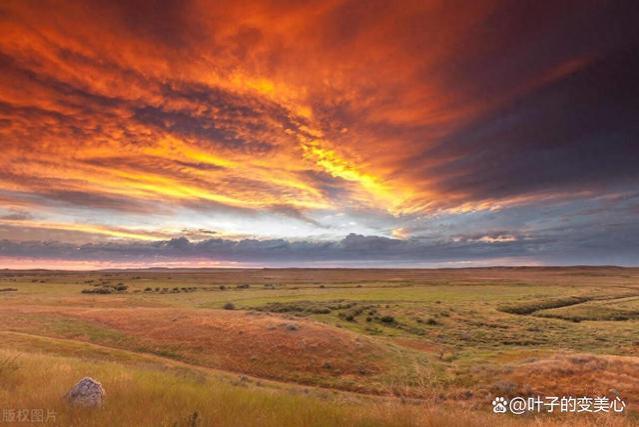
[[318, 133]]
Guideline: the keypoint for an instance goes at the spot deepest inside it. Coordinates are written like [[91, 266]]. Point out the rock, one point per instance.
[[87, 393]]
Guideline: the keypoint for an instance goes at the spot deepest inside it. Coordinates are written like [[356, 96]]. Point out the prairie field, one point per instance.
[[325, 347]]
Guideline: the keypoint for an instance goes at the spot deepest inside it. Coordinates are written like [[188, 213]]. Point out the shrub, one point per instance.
[[243, 286], [387, 319], [120, 287], [350, 314], [148, 290], [532, 306], [303, 307], [100, 290], [229, 306]]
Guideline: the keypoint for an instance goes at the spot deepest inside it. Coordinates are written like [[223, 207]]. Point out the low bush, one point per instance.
[[99, 290], [531, 307]]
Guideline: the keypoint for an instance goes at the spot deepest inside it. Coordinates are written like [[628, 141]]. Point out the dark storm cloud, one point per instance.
[[351, 248], [581, 132], [611, 243], [573, 125]]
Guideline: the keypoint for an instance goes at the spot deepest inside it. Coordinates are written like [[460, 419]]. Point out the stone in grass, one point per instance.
[[292, 327], [87, 393]]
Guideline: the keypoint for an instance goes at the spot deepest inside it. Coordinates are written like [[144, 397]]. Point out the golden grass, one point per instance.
[[149, 396], [449, 344]]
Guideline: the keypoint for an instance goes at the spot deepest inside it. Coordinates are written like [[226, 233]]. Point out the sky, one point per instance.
[[325, 133]]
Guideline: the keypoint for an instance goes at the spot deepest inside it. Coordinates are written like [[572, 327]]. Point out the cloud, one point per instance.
[[388, 112], [16, 215], [592, 246], [246, 90]]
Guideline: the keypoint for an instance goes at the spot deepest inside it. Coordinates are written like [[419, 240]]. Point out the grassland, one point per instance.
[[319, 347]]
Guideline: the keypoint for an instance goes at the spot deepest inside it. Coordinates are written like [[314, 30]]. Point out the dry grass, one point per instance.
[[448, 342], [258, 344], [150, 396]]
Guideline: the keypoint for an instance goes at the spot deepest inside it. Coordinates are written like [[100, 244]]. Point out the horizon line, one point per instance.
[[149, 269]]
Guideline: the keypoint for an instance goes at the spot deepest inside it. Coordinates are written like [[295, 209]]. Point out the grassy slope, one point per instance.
[[145, 391]]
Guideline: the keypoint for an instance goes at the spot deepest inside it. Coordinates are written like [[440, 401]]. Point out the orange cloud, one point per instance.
[[259, 105]]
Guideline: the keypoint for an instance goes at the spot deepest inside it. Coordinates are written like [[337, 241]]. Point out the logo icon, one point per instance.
[[500, 405]]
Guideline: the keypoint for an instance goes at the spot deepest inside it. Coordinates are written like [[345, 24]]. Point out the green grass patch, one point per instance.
[[533, 306]]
